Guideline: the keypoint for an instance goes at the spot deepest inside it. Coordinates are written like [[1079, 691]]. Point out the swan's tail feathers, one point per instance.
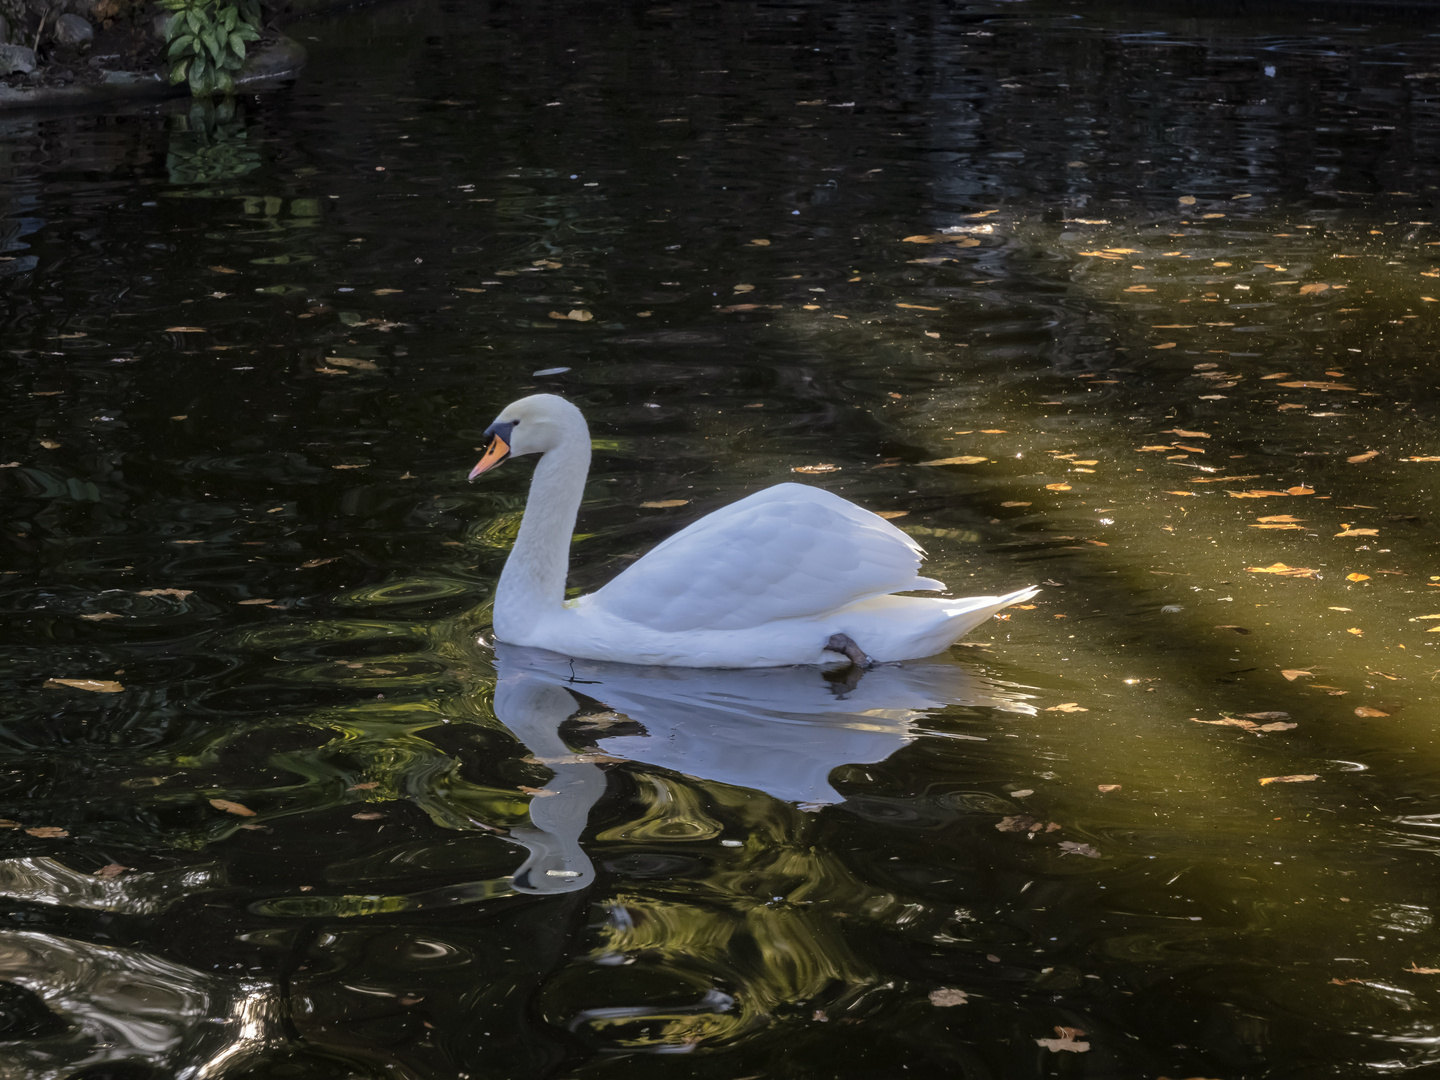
[[974, 610]]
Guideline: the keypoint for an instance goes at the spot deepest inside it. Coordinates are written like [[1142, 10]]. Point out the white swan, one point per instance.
[[789, 575]]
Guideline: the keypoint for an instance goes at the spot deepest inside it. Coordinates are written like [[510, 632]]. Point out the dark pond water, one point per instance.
[[1168, 283]]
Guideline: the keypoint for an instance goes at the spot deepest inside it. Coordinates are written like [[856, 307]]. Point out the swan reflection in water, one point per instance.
[[780, 731]]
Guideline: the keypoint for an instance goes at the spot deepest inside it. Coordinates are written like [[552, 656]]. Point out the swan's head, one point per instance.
[[531, 425]]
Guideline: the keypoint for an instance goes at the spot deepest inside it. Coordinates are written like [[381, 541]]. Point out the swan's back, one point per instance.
[[788, 551]]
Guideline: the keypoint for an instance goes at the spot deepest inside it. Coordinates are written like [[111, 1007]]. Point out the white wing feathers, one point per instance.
[[788, 551]]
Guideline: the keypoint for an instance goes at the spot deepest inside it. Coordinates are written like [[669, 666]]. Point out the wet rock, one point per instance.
[[15, 58], [71, 29]]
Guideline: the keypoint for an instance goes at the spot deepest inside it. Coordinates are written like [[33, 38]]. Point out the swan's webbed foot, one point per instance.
[[845, 645]]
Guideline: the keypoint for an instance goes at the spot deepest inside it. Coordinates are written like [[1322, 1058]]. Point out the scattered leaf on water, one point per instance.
[[98, 686], [1300, 489], [1422, 459], [945, 997], [1423, 970], [1185, 493], [1187, 434], [1299, 778], [222, 270], [1356, 459], [664, 504], [101, 616], [352, 362], [1108, 787], [760, 243], [1186, 200], [1073, 847], [823, 468], [1356, 631], [1365, 711], [47, 832], [368, 786], [1237, 629], [968, 459], [1359, 532], [890, 515], [1278, 517], [177, 594], [257, 600], [111, 870], [1313, 288], [1273, 715], [386, 292], [1014, 504], [368, 815], [1291, 674], [1357, 577], [186, 330], [310, 564], [229, 807], [1069, 706], [1057, 487], [1282, 570], [918, 307], [1309, 385], [1164, 345], [1020, 823]]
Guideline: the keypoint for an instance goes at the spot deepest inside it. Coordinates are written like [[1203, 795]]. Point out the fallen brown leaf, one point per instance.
[[1306, 384], [1300, 778], [1187, 434], [111, 870], [1282, 570], [47, 832], [98, 686], [968, 459], [1069, 706], [1057, 487], [945, 997], [1356, 459], [811, 469], [232, 807], [1366, 712], [1359, 532], [1104, 788]]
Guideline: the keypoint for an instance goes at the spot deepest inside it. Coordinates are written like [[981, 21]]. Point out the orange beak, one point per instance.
[[495, 453]]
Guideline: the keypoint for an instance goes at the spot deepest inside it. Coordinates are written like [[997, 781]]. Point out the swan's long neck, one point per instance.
[[533, 581]]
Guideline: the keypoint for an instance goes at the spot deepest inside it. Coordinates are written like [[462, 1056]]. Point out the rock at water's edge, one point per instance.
[[73, 30], [15, 58]]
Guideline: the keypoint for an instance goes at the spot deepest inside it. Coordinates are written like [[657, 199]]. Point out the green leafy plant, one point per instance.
[[206, 42]]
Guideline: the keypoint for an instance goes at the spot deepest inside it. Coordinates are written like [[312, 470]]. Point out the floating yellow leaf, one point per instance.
[[1359, 532], [1069, 706], [1422, 459], [1310, 385], [386, 292], [1104, 788], [186, 330], [663, 504], [917, 307], [47, 832], [229, 807], [1366, 712], [1356, 631], [824, 468], [1165, 345], [760, 243], [1057, 487], [1278, 517], [1139, 288], [257, 600], [1283, 571], [1300, 489], [1356, 459], [1298, 779], [98, 686], [1187, 200], [967, 459], [1184, 493], [222, 270], [1291, 674], [1027, 504], [891, 515], [1357, 577], [1187, 434]]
